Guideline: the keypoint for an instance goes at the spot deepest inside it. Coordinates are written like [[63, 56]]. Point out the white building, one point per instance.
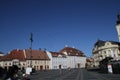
[[103, 49], [57, 60], [67, 58], [75, 57]]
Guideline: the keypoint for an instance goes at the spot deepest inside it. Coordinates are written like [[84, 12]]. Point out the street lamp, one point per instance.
[[45, 58]]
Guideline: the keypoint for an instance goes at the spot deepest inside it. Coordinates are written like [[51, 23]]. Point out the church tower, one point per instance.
[[118, 26]]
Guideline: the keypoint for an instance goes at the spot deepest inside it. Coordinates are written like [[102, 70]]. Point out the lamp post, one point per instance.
[[45, 58]]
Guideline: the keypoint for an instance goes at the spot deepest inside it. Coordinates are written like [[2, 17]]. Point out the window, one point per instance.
[[5, 63], [109, 51], [28, 62], [23, 64], [9, 64], [35, 62]]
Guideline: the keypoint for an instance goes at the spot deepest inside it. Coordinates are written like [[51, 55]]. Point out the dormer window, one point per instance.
[[65, 53], [107, 43], [59, 55], [77, 54]]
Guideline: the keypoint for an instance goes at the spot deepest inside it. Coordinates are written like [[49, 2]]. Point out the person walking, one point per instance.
[[12, 73]]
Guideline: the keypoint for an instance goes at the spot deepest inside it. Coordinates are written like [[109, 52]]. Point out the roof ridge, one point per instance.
[[24, 53]]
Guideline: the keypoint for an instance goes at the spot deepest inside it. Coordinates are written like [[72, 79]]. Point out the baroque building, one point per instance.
[[103, 49]]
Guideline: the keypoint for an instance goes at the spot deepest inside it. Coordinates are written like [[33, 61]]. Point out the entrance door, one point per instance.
[[41, 67], [59, 66], [78, 65]]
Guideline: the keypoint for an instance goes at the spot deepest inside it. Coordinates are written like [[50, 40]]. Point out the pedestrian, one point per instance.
[[1, 72], [20, 74], [12, 73]]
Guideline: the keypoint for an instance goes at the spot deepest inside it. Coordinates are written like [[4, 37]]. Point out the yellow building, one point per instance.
[[36, 59]]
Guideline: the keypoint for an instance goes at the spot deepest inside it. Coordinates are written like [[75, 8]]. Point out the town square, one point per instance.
[[59, 40]]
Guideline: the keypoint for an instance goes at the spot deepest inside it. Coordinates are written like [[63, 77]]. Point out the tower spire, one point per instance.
[[118, 21], [118, 26]]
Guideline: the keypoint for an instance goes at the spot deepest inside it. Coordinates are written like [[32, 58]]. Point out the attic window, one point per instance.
[[59, 55]]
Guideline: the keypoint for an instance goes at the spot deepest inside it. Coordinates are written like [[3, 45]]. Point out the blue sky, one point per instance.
[[56, 23]]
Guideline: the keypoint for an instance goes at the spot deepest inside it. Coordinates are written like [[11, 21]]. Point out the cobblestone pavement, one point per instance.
[[73, 74]]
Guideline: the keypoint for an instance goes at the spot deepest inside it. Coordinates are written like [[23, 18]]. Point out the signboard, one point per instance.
[[28, 70], [110, 68]]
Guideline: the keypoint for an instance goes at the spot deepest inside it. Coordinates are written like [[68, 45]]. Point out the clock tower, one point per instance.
[[118, 26]]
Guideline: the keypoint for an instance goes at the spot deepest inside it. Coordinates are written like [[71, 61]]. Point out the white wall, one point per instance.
[[73, 61], [56, 61], [51, 59]]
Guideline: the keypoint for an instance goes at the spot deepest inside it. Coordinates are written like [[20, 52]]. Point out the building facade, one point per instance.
[[58, 60], [89, 62], [68, 57], [103, 49], [75, 57], [36, 59]]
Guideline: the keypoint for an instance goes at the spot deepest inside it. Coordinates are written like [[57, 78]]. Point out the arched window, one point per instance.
[[109, 52]]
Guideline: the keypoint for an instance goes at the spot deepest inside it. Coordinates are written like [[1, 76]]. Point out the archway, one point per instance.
[[59, 66]]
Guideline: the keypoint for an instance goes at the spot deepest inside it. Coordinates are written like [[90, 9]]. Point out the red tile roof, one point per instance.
[[36, 54], [72, 51], [14, 54], [56, 54], [26, 54]]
